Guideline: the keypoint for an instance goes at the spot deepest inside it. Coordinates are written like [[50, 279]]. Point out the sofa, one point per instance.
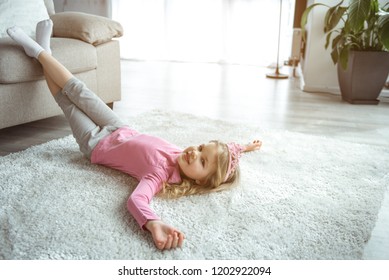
[[84, 43]]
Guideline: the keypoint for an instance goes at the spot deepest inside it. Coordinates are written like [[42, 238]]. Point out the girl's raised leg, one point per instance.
[[89, 118], [54, 70], [77, 92], [44, 29]]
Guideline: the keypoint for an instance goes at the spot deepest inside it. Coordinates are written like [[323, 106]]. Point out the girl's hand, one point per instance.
[[165, 237], [255, 145]]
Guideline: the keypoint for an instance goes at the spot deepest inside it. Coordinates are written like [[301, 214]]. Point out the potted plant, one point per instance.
[[358, 35]]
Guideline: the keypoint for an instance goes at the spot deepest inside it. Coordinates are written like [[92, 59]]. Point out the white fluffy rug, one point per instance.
[[300, 197]]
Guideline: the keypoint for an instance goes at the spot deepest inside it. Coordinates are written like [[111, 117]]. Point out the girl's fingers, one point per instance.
[[169, 242], [175, 240], [181, 238]]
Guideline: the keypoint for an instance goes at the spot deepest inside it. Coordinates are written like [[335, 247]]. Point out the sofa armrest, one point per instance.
[[89, 28]]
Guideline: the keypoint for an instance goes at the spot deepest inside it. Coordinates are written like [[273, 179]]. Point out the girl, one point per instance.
[[105, 139]]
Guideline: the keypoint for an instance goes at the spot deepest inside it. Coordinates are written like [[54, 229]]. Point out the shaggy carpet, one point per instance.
[[300, 197]]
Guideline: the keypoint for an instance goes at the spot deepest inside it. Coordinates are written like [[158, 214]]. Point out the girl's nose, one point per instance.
[[193, 154]]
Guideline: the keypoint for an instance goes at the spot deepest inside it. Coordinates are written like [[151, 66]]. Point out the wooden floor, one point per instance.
[[235, 93]]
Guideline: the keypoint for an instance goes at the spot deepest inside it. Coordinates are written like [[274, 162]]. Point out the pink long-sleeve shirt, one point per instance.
[[151, 160]]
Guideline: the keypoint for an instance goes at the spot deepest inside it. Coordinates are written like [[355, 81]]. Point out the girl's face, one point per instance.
[[198, 162]]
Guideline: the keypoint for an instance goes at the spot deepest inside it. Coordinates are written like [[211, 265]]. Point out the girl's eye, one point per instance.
[[200, 148]]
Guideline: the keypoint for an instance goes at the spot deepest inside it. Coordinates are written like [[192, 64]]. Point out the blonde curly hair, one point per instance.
[[212, 183]]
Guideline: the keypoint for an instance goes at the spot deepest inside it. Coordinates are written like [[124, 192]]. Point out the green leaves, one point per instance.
[[362, 25], [358, 12], [333, 16], [383, 28], [343, 56], [304, 18]]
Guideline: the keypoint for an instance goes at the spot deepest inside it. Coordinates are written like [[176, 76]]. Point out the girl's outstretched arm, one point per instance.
[[255, 145], [165, 237]]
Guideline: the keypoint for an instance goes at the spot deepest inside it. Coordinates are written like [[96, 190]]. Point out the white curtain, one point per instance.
[[226, 31]]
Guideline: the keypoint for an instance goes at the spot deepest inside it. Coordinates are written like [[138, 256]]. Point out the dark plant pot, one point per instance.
[[365, 76]]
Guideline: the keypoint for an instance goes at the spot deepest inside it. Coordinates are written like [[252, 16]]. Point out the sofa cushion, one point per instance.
[[16, 66], [92, 29]]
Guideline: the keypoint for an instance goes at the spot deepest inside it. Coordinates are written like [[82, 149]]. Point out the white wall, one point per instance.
[[319, 74], [96, 7]]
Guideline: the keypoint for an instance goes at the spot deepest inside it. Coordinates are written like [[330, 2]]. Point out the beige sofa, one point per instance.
[[83, 43]]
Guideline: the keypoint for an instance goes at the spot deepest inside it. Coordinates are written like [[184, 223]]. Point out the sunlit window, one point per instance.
[[229, 31]]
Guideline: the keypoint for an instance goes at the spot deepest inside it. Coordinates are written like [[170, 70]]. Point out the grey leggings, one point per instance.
[[89, 117]]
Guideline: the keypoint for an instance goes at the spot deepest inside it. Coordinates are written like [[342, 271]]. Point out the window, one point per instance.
[[219, 31]]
